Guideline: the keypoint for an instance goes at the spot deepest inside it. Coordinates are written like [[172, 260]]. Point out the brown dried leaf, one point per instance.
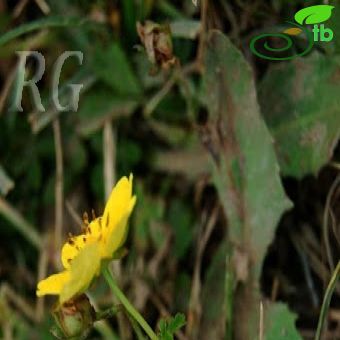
[[158, 43]]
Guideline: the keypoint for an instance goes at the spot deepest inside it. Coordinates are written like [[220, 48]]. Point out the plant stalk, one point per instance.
[[127, 305], [326, 301]]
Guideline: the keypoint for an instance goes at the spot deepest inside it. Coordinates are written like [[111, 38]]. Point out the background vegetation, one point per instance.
[[235, 163]]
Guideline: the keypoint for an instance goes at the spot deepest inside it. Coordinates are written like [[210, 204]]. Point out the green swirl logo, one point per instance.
[[261, 47]]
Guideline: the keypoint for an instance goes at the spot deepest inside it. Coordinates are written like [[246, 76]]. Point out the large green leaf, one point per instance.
[[280, 323], [301, 104], [98, 107], [245, 171], [113, 67]]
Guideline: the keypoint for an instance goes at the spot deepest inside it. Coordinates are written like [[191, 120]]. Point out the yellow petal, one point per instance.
[[116, 236], [293, 31], [71, 248], [84, 267], [118, 204], [53, 284]]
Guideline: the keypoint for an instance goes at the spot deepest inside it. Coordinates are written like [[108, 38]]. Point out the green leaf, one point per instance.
[[169, 327], [176, 323], [213, 322], [113, 67], [181, 221], [100, 105], [246, 174], [245, 171], [49, 22], [300, 102], [280, 323], [188, 29], [314, 14]]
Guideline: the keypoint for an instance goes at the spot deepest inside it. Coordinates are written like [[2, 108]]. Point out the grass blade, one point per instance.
[[56, 21], [326, 301]]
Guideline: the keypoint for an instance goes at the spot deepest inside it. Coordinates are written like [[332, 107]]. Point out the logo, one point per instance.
[[22, 82], [313, 15]]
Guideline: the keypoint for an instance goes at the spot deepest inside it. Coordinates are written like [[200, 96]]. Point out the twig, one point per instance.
[[7, 86], [261, 326], [325, 228], [230, 13], [201, 46], [109, 154], [59, 190], [18, 301], [102, 326], [195, 304], [109, 151], [306, 269], [42, 271], [169, 84], [19, 8], [24, 227], [76, 218], [156, 99], [108, 313], [326, 301], [335, 165], [335, 227], [43, 6]]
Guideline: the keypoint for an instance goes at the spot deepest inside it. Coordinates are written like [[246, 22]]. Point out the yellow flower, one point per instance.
[[82, 255]]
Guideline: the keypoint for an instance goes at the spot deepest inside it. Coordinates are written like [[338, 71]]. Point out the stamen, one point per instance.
[[86, 218], [84, 239], [93, 214], [100, 222], [70, 242]]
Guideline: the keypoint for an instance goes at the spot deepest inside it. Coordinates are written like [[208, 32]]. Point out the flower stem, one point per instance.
[[126, 303], [108, 313], [327, 300]]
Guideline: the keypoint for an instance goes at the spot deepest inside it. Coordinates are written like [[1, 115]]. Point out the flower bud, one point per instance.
[[75, 317]]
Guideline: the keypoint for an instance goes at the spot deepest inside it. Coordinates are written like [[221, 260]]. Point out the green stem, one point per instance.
[[326, 301], [108, 313], [126, 303]]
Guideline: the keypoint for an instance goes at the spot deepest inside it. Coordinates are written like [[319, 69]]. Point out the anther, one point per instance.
[[107, 220], [86, 218], [93, 214]]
